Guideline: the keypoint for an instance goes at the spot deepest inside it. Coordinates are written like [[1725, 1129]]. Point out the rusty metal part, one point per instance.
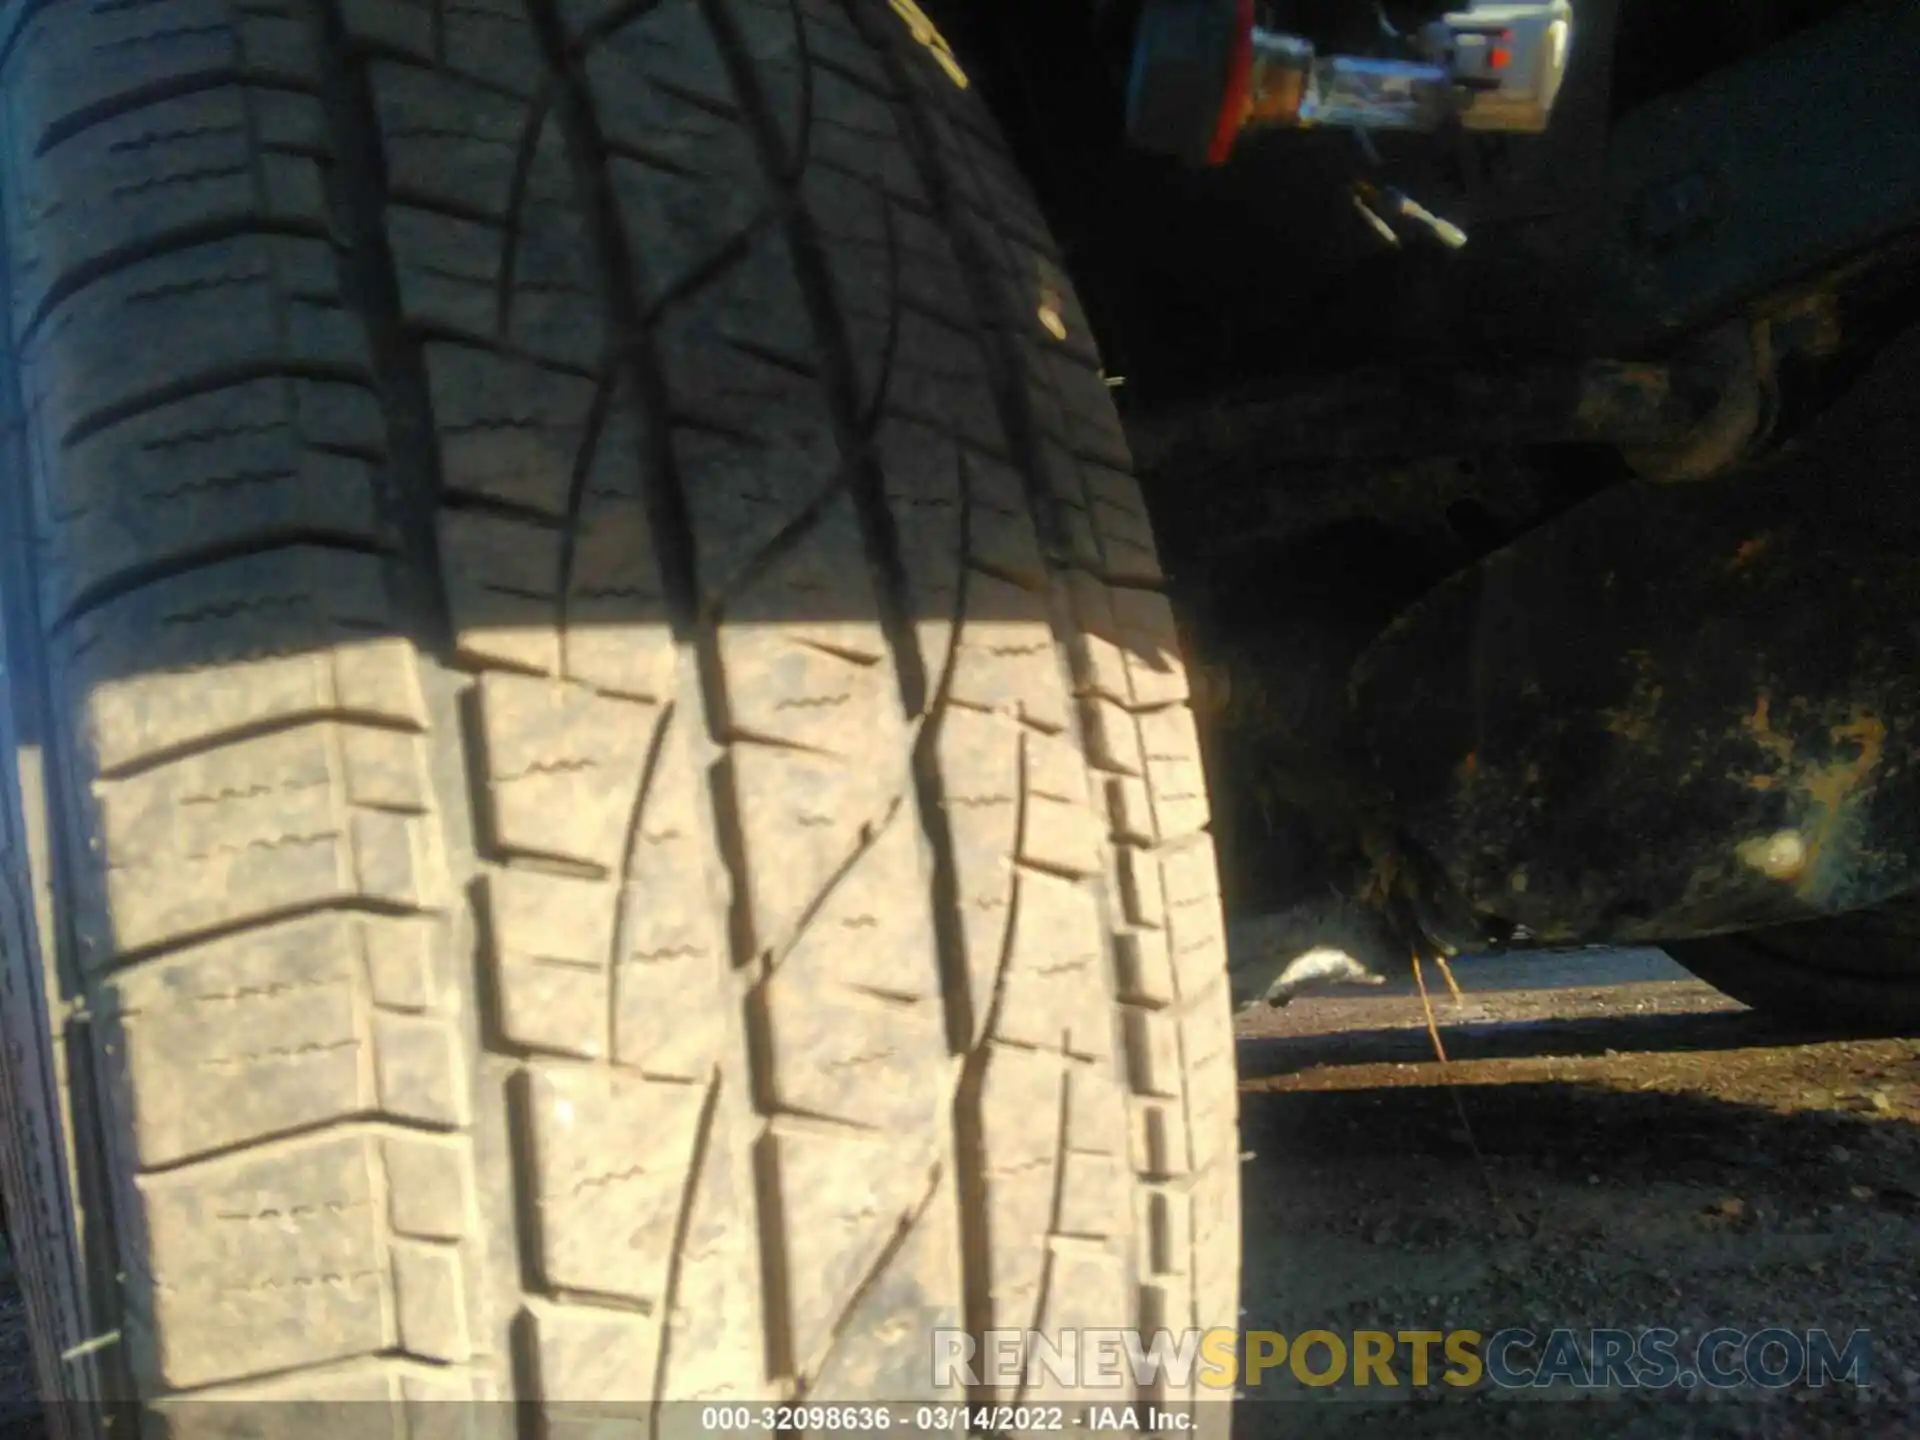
[[1827, 131], [1403, 411], [1677, 711], [1738, 361]]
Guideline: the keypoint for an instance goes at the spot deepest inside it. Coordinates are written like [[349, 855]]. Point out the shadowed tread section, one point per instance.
[[629, 829]]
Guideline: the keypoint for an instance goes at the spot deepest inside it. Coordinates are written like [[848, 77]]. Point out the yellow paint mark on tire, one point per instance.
[[928, 35]]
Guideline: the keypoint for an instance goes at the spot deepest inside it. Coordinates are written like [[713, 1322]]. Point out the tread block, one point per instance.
[[492, 39], [447, 141], [552, 947], [182, 163], [356, 1383], [565, 767], [1153, 1049], [385, 770], [280, 308], [1130, 649], [1096, 1111], [273, 637], [1054, 994], [853, 1058], [766, 453], [1087, 1289], [863, 936], [771, 34], [230, 849], [430, 1300], [1113, 738], [939, 376], [1094, 1192], [718, 1297], [192, 1025], [805, 658], [237, 464], [880, 1355], [670, 43], [510, 430], [617, 636], [1059, 830], [613, 1158], [883, 252], [586, 1356], [429, 1186], [980, 759], [500, 578], [1000, 531], [1118, 513], [685, 174], [448, 270], [672, 956], [1216, 1215], [853, 131], [418, 1070], [802, 818], [265, 1261], [265, 1030], [844, 1196], [661, 81], [1145, 627], [1072, 406], [403, 25], [1196, 932], [1020, 1115], [836, 43], [488, 40], [1006, 656], [1144, 968], [719, 269], [1099, 662], [108, 62]]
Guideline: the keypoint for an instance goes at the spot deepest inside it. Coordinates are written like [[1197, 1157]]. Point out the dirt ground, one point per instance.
[[1649, 1153]]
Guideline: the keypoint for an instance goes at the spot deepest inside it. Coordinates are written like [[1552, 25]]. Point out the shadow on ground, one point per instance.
[[1679, 1170]]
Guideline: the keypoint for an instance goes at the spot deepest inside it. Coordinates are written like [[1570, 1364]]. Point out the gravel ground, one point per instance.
[[1638, 1151]]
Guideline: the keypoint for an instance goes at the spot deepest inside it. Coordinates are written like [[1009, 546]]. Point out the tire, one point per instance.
[[606, 808], [1856, 973]]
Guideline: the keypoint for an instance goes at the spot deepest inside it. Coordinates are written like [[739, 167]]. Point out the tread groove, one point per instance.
[[157, 246], [1056, 1203], [135, 578], [676, 1253], [204, 382], [136, 955], [703, 695], [881, 539], [703, 591], [372, 1121], [523, 159], [617, 936], [239, 734], [174, 87]]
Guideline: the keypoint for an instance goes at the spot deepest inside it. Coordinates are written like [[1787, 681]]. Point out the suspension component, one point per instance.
[[1204, 73]]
